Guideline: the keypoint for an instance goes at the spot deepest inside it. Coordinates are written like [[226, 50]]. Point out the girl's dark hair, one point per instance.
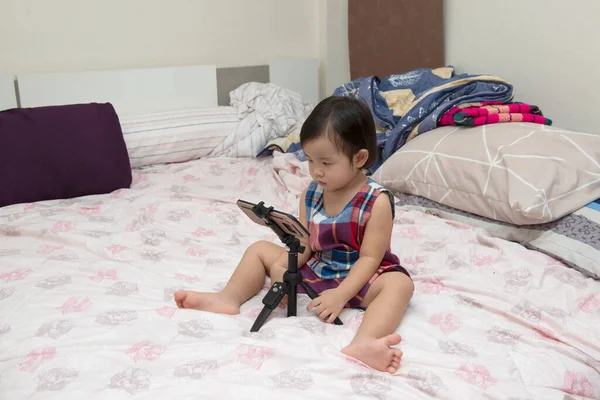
[[348, 124]]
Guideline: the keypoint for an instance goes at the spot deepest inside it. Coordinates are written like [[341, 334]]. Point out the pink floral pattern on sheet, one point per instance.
[[588, 304], [35, 358], [139, 179], [414, 261], [477, 375], [145, 351], [196, 252], [132, 228], [357, 363], [167, 312], [190, 178], [30, 207], [254, 312], [110, 274], [242, 185], [410, 231], [91, 210], [431, 286], [254, 356], [16, 275], [47, 249], [353, 323], [201, 232], [187, 278], [115, 248], [150, 208], [75, 304], [481, 259], [64, 226], [73, 275], [447, 322], [577, 384]]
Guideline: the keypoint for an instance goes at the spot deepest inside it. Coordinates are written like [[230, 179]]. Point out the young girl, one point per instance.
[[347, 258]]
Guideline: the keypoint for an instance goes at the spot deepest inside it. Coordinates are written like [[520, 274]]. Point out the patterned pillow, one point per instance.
[[519, 173], [573, 239]]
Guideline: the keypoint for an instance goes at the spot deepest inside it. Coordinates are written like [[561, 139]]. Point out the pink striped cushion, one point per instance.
[[176, 136]]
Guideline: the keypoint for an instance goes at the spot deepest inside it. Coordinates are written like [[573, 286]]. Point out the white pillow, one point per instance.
[[176, 136]]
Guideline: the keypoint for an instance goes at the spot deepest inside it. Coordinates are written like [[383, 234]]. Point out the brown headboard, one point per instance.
[[392, 36]]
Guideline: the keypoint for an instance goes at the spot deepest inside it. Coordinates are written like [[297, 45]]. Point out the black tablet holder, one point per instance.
[[286, 228]]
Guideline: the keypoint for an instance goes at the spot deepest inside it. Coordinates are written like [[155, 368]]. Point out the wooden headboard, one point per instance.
[[393, 36]]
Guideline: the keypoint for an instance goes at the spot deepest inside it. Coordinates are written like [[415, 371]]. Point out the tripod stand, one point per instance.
[[287, 228]]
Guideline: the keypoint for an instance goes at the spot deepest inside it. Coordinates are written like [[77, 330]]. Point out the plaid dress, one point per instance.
[[336, 240]]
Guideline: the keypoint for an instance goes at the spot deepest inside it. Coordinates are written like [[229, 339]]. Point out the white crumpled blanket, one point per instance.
[[291, 172], [267, 111]]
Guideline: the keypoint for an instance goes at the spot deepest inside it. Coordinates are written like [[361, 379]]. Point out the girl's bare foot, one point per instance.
[[212, 302], [376, 353]]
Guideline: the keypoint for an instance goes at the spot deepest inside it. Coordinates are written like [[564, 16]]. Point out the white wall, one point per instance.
[[42, 35], [66, 35], [547, 48], [333, 45]]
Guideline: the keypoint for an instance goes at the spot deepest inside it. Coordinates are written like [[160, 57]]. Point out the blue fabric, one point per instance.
[[431, 101], [595, 205]]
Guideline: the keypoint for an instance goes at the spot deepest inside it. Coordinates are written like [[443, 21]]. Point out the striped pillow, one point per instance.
[[176, 136]]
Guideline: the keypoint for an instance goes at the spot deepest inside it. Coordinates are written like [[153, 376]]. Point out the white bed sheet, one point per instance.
[[86, 307]]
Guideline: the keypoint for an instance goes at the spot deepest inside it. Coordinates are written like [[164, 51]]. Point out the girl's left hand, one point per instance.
[[328, 305]]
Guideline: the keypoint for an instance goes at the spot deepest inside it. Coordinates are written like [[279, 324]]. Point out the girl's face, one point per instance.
[[327, 166]]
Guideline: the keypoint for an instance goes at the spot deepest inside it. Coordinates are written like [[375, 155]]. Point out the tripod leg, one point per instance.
[[292, 300], [309, 290], [271, 301], [312, 294], [260, 320]]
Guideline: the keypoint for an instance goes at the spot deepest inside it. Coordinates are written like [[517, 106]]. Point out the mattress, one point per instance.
[[87, 310]]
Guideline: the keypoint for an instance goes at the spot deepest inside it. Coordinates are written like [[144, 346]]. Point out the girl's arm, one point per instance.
[[375, 243], [305, 256]]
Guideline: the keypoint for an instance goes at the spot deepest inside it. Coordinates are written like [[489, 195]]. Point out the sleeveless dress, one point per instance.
[[336, 240]]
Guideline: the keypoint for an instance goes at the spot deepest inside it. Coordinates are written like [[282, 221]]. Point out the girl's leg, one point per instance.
[[386, 302], [246, 281]]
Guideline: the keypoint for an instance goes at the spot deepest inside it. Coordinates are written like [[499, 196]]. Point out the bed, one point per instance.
[[87, 283]]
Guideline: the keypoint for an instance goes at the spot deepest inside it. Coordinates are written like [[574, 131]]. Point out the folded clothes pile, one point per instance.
[[493, 112], [409, 104]]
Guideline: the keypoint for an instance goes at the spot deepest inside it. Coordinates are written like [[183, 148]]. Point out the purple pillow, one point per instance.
[[61, 152]]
